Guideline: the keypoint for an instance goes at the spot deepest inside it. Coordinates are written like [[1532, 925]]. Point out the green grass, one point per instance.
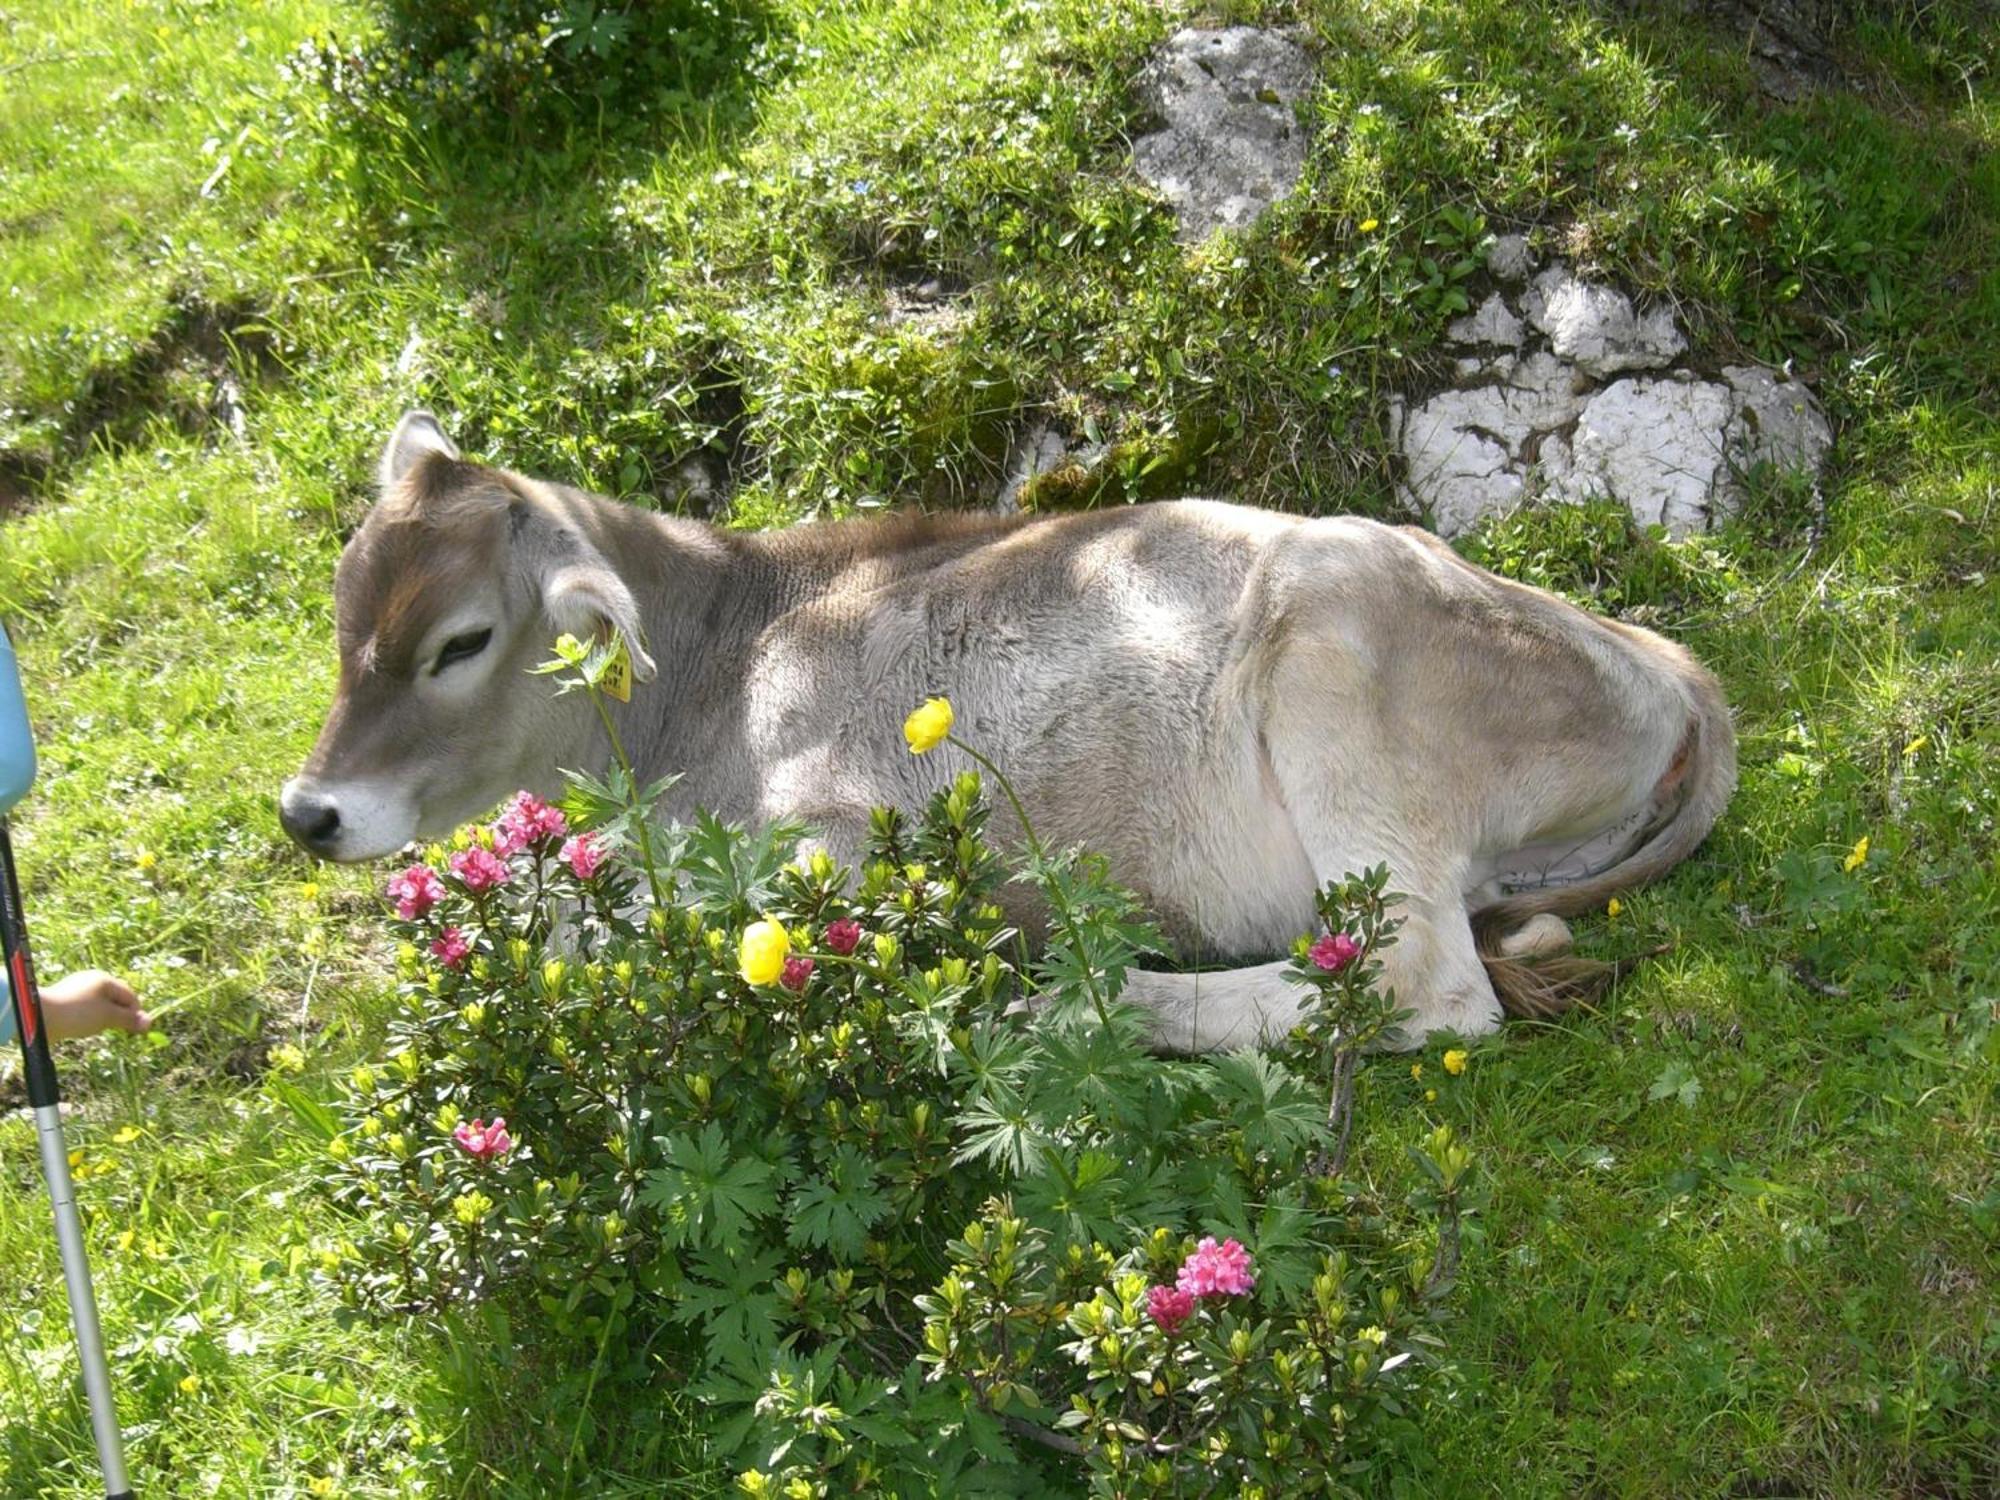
[[1741, 1226]]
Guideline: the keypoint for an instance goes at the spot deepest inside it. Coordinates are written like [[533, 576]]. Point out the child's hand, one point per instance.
[[88, 1002]]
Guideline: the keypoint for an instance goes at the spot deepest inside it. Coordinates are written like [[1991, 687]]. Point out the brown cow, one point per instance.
[[1233, 705]]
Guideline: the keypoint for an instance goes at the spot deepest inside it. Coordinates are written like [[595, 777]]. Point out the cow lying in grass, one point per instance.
[[1234, 705]]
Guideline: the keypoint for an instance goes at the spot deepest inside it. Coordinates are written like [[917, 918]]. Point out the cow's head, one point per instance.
[[453, 588]]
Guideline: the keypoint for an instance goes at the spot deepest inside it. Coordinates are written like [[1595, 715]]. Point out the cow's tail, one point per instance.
[[1692, 795]]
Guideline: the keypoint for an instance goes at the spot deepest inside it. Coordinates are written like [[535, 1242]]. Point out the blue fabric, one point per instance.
[[17, 740], [6, 1010]]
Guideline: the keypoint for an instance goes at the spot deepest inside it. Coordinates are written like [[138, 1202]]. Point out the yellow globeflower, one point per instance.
[[1857, 856], [1454, 1061], [761, 955], [929, 722]]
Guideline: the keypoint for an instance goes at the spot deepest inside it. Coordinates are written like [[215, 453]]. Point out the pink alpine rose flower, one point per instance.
[[451, 947], [798, 969], [844, 936], [483, 1142], [1169, 1306], [1217, 1270], [415, 891], [584, 855], [526, 820], [1334, 952], [479, 869]]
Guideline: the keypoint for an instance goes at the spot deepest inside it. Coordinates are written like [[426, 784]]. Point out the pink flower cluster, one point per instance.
[[844, 936], [527, 820], [1334, 952], [798, 969], [415, 891], [585, 854], [479, 869], [1217, 1270], [451, 947], [1212, 1271], [1170, 1306], [483, 1142]]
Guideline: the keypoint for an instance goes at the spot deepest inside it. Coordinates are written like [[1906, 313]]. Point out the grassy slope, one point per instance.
[[1742, 1224]]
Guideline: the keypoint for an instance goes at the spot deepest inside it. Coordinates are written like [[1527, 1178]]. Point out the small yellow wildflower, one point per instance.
[[1613, 907], [322, 1485], [1430, 1096], [929, 722], [1416, 1070], [1369, 226], [1454, 1061], [309, 891], [761, 956], [1857, 856], [146, 860], [287, 1058], [125, 1135], [190, 1383], [1915, 745]]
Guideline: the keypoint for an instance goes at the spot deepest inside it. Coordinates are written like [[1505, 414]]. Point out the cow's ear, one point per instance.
[[415, 436], [586, 597]]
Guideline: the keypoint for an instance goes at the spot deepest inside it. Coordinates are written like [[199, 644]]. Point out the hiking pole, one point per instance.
[[17, 774]]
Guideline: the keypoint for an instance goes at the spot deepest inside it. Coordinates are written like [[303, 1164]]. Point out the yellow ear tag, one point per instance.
[[615, 681]]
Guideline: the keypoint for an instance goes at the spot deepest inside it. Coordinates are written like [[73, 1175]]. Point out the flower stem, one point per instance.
[[632, 780], [1035, 849]]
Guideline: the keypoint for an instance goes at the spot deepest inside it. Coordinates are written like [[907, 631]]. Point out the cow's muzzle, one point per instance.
[[311, 817]]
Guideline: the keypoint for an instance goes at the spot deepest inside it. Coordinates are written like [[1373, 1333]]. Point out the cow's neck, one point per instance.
[[695, 586]]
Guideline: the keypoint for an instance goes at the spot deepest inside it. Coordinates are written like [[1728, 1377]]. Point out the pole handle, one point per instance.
[[45, 1099]]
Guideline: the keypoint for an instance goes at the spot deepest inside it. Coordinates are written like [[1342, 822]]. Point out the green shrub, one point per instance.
[[916, 1195], [531, 60]]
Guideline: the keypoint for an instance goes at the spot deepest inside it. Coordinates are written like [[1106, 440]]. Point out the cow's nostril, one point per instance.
[[314, 822]]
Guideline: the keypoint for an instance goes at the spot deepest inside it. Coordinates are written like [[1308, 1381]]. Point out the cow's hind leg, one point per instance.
[[1355, 802]]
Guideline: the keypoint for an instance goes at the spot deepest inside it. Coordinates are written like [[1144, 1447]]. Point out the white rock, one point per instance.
[[1595, 328], [1231, 145], [1656, 446], [1541, 392], [1492, 323], [1532, 415], [1458, 462], [1510, 259]]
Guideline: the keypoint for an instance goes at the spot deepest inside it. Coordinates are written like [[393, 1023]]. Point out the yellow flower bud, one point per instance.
[[928, 724], [761, 955], [1454, 1061]]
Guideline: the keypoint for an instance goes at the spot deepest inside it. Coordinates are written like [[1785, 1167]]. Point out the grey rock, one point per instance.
[[1656, 446], [930, 307], [1457, 464], [1546, 411], [1230, 144], [698, 485], [1510, 259], [1777, 422], [1041, 448], [1493, 322], [1595, 328]]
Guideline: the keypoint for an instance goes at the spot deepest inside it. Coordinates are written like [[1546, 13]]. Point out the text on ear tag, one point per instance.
[[615, 681]]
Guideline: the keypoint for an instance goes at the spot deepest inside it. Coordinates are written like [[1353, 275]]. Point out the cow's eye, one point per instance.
[[461, 648]]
